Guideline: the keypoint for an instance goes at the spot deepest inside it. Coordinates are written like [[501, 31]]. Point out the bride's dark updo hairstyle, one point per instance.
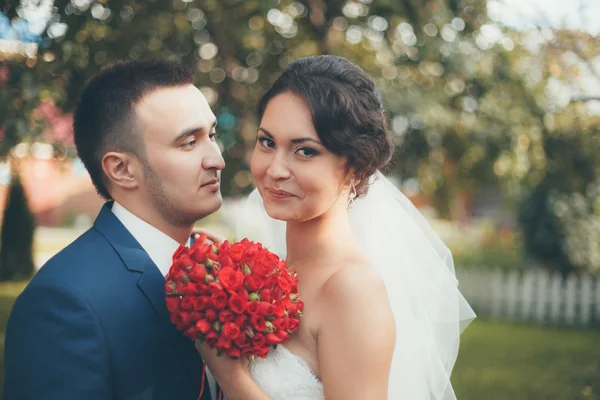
[[346, 111]]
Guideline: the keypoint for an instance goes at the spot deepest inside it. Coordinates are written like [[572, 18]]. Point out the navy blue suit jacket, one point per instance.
[[93, 324]]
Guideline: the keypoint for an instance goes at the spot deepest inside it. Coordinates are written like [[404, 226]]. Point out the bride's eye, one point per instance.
[[266, 142], [307, 152]]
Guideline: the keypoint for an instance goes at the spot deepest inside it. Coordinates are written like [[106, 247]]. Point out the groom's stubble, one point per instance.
[[163, 205]]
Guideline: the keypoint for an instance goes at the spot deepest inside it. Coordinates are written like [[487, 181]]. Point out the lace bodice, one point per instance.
[[285, 376]]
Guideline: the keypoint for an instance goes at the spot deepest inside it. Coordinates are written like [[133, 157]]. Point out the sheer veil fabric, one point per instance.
[[418, 272]]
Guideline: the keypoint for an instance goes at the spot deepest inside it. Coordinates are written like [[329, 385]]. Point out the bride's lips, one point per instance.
[[279, 194], [212, 185]]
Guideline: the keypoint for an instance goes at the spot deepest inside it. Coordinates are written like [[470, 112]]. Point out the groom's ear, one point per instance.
[[121, 169]]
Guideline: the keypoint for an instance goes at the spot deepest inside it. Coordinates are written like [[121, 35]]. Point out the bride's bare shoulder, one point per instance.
[[354, 284]]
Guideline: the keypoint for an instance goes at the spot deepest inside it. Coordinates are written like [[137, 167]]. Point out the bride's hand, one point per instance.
[[210, 235], [232, 375]]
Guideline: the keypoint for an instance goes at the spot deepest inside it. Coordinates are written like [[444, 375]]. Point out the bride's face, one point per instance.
[[297, 177]]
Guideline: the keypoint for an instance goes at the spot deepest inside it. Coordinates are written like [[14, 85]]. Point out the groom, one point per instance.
[[92, 324]]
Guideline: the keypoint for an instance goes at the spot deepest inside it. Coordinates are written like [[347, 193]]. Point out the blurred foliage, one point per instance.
[[496, 249], [471, 103]]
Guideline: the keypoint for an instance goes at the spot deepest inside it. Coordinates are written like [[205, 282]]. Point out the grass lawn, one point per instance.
[[508, 361], [497, 361], [8, 293]]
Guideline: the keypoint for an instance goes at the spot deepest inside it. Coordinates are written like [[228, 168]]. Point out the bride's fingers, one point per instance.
[[211, 236]]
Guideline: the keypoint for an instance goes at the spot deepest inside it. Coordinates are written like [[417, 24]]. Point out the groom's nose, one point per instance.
[[213, 158]]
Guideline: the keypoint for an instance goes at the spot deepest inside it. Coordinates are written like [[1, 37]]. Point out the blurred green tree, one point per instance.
[[16, 242], [471, 104]]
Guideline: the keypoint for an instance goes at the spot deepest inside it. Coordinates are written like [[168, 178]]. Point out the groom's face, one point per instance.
[[182, 161]]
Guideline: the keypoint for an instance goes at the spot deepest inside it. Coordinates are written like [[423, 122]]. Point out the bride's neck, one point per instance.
[[319, 237]]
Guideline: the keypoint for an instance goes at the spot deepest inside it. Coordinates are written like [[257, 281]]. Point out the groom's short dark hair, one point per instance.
[[105, 120]]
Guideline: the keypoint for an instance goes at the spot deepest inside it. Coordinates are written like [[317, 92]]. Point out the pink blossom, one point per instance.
[[4, 74]]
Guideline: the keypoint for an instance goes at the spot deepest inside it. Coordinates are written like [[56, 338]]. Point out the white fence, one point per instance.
[[534, 296]]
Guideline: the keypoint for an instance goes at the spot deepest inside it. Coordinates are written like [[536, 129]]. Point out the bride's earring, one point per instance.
[[352, 195]]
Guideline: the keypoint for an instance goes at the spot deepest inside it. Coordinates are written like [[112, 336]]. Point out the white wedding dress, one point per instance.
[[285, 376], [418, 272]]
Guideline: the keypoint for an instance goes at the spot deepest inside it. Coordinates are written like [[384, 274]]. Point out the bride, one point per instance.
[[383, 314]]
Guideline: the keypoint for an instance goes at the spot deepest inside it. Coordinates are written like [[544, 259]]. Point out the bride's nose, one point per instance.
[[278, 168]]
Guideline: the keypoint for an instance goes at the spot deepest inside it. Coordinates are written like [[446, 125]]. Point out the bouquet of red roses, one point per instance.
[[239, 298]]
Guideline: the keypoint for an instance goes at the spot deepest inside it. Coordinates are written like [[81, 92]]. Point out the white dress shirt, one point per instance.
[[160, 248]]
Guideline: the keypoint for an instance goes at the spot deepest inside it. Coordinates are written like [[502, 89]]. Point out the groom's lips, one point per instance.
[[213, 185]]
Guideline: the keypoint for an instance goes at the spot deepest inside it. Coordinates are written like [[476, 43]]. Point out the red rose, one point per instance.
[[252, 307], [203, 326], [236, 252], [283, 283], [219, 300], [292, 323], [265, 309], [195, 316], [223, 343], [188, 303], [184, 262], [231, 330], [279, 323], [212, 256], [276, 293], [265, 295], [211, 315], [181, 250], [283, 335], [178, 275], [240, 320], [229, 292], [172, 303], [273, 339], [236, 304], [202, 288], [262, 352], [211, 338], [226, 261], [242, 341], [215, 287], [191, 333], [293, 308], [198, 253], [279, 310], [198, 273], [204, 303], [184, 318], [259, 323], [258, 340], [234, 353], [243, 293], [226, 316], [230, 279], [254, 283]]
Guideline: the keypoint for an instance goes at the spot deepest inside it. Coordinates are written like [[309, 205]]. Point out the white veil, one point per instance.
[[419, 276]]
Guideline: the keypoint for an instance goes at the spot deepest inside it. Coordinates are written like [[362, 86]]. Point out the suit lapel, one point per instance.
[[151, 284]]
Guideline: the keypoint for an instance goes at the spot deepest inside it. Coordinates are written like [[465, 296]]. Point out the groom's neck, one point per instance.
[[177, 230]]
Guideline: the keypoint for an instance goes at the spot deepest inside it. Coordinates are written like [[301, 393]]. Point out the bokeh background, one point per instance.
[[494, 107]]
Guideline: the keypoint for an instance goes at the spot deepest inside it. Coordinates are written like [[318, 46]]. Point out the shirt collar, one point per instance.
[[159, 246]]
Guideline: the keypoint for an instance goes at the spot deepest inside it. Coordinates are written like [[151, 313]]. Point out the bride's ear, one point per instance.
[[121, 169]]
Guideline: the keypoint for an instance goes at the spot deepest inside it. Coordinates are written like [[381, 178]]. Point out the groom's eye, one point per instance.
[[189, 143]]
